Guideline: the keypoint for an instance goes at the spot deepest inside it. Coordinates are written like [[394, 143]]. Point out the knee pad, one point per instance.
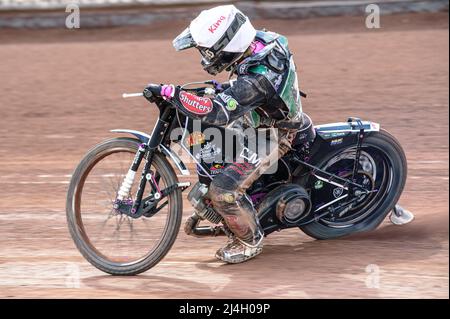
[[223, 190], [220, 196]]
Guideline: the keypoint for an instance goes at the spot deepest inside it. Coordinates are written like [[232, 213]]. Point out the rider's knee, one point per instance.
[[222, 190]]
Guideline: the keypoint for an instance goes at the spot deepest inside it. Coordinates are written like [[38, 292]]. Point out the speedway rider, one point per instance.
[[265, 91]]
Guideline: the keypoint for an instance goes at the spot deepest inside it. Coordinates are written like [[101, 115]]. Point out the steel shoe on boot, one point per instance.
[[236, 251]]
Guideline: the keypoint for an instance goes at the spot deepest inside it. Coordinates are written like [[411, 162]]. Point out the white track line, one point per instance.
[[4, 178], [420, 177], [427, 162], [35, 182]]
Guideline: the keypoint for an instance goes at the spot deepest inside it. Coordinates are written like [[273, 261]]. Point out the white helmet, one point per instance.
[[221, 34]]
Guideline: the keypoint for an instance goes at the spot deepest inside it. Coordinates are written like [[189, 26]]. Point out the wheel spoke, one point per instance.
[[115, 236], [356, 208]]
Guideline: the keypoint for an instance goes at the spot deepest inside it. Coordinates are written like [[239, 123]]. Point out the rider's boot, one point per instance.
[[237, 251], [246, 239]]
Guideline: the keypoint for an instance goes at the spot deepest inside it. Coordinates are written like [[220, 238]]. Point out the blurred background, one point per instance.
[[60, 94]]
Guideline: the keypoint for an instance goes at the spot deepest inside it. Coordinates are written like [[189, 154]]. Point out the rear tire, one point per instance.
[[384, 141], [75, 221]]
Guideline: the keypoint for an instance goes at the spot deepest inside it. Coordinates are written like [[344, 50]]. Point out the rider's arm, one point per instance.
[[244, 95]]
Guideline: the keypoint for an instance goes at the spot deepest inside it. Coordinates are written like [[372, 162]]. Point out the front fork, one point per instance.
[[146, 151]]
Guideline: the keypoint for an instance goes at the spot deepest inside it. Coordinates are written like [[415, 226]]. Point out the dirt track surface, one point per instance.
[[60, 95]]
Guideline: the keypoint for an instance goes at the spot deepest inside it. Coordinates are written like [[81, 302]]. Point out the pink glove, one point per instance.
[[167, 91]]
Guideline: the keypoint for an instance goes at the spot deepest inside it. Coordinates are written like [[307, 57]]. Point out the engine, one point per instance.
[[197, 198], [290, 203]]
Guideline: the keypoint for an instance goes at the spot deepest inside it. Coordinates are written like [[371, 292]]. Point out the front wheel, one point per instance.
[[112, 241], [382, 169]]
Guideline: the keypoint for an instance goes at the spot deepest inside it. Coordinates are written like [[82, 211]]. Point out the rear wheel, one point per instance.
[[112, 241], [382, 170]]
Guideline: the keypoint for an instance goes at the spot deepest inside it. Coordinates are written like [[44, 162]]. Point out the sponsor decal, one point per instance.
[[195, 104], [334, 135], [208, 152], [318, 184], [337, 192], [301, 136], [278, 83], [230, 103], [336, 141], [338, 134], [195, 138], [216, 25], [242, 168], [217, 166], [216, 169], [250, 156], [237, 170]]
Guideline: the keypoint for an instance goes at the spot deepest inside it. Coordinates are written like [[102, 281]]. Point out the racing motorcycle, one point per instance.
[[125, 201]]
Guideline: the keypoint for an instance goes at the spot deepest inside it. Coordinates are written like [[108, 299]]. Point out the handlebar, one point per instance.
[[199, 90], [127, 95]]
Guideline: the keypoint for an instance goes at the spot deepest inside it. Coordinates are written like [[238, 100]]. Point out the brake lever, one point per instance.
[[202, 90], [209, 91]]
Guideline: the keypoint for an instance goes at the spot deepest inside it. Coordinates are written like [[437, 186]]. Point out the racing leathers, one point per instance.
[[264, 94]]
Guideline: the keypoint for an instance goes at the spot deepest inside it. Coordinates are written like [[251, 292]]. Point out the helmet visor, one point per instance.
[[184, 41]]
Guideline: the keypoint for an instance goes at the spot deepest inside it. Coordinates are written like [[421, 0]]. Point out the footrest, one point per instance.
[[401, 216]]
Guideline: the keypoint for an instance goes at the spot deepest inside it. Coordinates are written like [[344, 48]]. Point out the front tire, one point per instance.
[[397, 166], [91, 193]]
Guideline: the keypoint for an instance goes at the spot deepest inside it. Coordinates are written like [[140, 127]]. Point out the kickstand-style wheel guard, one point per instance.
[[400, 216]]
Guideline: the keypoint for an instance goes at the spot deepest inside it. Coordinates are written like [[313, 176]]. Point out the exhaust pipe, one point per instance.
[[191, 228]]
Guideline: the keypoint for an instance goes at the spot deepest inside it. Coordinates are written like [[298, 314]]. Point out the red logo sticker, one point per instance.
[[195, 104], [216, 25]]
